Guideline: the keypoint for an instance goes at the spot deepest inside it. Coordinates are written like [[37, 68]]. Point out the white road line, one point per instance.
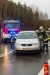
[[1, 55], [42, 70]]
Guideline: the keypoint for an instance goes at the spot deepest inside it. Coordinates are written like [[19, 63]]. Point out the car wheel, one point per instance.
[[39, 51]]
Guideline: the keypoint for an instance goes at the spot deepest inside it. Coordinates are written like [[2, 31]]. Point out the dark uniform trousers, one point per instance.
[[45, 45]]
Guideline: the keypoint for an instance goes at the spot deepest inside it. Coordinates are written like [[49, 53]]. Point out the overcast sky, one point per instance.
[[43, 5]]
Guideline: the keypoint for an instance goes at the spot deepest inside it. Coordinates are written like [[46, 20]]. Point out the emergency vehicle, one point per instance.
[[10, 30]]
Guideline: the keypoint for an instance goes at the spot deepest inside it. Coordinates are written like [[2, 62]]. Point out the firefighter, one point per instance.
[[40, 38], [49, 32], [45, 37], [37, 31], [49, 29]]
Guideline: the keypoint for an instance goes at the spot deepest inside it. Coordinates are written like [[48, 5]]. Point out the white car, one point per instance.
[[27, 41]]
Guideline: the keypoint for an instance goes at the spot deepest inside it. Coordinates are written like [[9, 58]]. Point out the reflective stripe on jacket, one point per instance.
[[47, 39]]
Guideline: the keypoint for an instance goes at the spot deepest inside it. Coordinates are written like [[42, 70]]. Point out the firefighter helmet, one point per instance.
[[37, 30], [41, 27], [49, 29]]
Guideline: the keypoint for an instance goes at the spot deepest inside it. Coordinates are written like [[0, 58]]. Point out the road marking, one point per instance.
[[3, 54], [42, 70]]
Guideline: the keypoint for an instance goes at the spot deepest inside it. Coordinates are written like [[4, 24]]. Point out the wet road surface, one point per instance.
[[13, 64]]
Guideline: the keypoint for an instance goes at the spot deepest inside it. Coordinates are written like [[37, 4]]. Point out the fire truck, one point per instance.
[[10, 30]]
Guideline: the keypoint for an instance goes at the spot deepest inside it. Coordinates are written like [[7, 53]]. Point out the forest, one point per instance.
[[30, 16]]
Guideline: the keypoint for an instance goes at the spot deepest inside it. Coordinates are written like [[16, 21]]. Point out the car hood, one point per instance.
[[27, 41]]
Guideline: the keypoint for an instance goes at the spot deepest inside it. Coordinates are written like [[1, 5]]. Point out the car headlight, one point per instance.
[[36, 44], [17, 44]]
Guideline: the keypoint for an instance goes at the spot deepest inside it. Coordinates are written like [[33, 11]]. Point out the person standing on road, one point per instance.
[[45, 37], [49, 32], [37, 31]]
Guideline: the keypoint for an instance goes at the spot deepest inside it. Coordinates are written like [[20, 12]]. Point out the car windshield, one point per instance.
[[12, 25], [27, 35]]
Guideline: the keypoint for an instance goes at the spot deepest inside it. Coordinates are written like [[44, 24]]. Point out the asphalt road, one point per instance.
[[28, 64]]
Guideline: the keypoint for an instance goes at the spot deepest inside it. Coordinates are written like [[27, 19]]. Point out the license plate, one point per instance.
[[26, 48]]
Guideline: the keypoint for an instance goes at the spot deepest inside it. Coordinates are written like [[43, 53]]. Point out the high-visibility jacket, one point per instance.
[[49, 34], [45, 35]]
